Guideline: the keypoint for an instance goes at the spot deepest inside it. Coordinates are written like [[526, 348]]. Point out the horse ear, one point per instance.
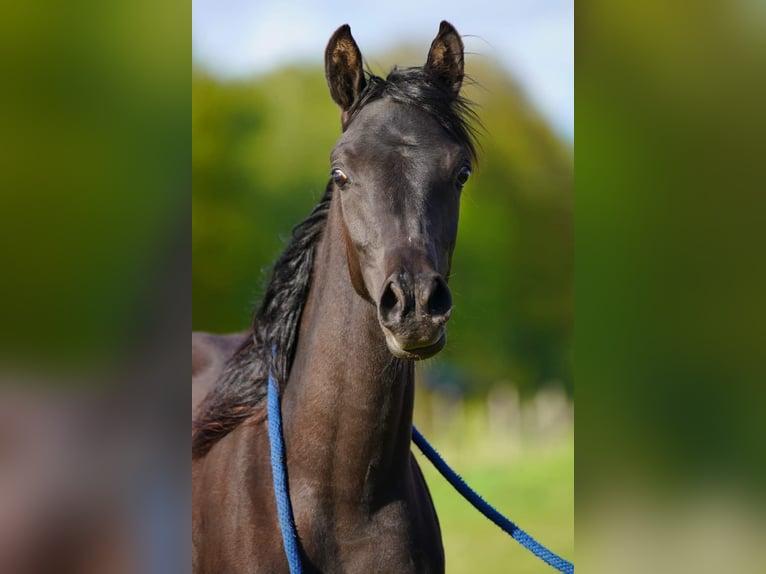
[[445, 58], [343, 68]]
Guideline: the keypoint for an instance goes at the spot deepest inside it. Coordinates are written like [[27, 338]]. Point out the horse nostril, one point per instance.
[[390, 306], [440, 300]]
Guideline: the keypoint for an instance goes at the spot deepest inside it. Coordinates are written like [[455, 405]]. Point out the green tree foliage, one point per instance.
[[261, 159]]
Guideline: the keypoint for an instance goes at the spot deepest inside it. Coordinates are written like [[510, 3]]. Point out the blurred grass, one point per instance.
[[534, 489]]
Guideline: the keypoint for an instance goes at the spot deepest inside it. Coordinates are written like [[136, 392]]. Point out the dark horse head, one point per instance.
[[399, 168]]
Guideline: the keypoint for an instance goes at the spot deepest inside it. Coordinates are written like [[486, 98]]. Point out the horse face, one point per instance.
[[398, 174]]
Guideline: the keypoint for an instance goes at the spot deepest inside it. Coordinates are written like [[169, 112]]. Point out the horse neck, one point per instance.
[[348, 404]]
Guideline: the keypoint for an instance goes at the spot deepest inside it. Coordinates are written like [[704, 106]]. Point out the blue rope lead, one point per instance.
[[285, 511], [487, 510], [279, 474]]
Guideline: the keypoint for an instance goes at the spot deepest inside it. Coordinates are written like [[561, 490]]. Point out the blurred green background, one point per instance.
[[670, 283], [497, 400]]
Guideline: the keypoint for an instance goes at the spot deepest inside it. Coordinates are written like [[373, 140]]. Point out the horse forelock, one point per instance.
[[421, 89]]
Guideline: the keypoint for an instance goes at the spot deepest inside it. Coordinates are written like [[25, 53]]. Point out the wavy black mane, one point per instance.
[[243, 383]]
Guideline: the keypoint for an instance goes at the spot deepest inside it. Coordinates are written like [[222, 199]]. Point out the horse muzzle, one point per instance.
[[413, 311]]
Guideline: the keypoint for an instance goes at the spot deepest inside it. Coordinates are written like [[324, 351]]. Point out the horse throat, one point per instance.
[[347, 407]]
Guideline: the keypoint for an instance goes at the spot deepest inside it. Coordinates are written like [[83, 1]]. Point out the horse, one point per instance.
[[359, 295]]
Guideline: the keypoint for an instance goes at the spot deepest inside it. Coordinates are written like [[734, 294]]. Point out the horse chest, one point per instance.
[[389, 541]]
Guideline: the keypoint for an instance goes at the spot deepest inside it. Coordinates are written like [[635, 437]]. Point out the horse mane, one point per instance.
[[242, 386], [243, 383]]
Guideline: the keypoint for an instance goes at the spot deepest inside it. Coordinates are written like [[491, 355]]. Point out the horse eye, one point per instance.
[[340, 178], [463, 176]]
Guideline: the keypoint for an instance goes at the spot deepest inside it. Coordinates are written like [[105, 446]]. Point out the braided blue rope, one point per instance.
[[487, 510], [285, 511], [279, 475]]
